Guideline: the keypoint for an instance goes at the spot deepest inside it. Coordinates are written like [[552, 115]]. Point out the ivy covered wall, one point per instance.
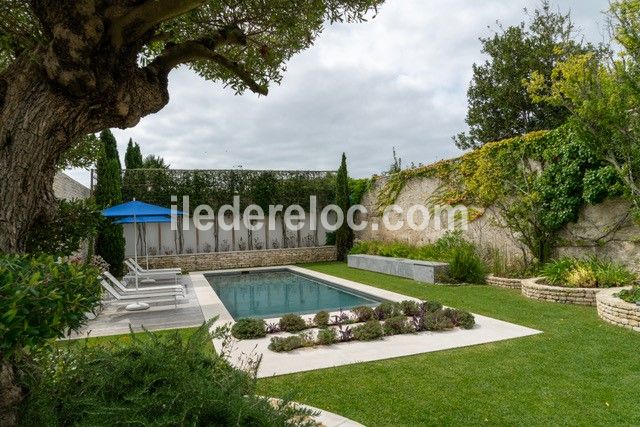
[[530, 197]]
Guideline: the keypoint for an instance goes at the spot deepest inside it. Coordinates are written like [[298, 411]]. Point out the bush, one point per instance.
[[460, 318], [363, 313], [283, 344], [327, 336], [630, 295], [397, 325], [292, 323], [370, 331], [246, 329], [151, 379], [587, 273], [466, 266], [437, 321], [386, 310], [321, 320], [410, 308], [464, 263], [431, 306], [41, 299]]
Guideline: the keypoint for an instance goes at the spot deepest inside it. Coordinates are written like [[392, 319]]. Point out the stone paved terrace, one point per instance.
[[164, 314]]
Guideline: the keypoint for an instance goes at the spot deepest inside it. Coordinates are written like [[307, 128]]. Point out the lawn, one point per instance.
[[580, 371]]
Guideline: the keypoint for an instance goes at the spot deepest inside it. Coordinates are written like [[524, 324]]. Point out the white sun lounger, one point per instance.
[[146, 289], [155, 275], [136, 296], [152, 270]]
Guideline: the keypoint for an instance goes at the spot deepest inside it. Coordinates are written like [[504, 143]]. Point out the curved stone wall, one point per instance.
[[534, 288], [614, 310], [504, 282]]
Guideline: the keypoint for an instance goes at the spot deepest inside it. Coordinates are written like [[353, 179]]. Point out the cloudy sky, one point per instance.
[[398, 80]]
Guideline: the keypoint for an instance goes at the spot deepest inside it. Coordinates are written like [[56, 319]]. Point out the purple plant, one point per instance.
[[341, 318], [345, 333], [273, 328]]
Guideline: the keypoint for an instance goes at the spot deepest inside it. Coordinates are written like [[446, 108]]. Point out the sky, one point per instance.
[[398, 80]]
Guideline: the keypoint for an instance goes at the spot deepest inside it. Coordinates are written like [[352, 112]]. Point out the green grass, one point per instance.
[[580, 371]]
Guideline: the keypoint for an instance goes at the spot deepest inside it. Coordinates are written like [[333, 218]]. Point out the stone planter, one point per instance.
[[536, 289], [421, 271], [616, 311], [504, 282]]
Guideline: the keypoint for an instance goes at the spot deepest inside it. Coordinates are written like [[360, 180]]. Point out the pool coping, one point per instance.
[[487, 330]]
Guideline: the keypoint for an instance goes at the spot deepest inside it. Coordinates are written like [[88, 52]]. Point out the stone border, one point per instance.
[[244, 259], [613, 310], [533, 288], [420, 271], [504, 282]]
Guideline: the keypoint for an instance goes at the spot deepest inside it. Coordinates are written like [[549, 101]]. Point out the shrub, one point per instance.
[[41, 299], [292, 323], [630, 295], [437, 321], [396, 325], [387, 309], [327, 336], [283, 344], [410, 308], [321, 320], [460, 318], [247, 328], [370, 331], [431, 306], [587, 273], [152, 379], [363, 313], [466, 266]]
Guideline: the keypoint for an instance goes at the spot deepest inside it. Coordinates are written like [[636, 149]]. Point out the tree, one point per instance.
[[396, 165], [344, 234], [602, 94], [133, 156], [108, 192], [154, 162], [499, 105], [76, 67]]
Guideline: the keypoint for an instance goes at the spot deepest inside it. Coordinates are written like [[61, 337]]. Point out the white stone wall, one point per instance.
[[606, 230], [67, 188]]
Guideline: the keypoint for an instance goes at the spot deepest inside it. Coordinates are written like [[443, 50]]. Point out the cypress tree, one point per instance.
[[344, 235], [133, 156], [108, 192]]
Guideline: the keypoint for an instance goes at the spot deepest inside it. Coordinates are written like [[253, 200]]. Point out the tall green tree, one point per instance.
[[344, 235], [154, 162], [499, 105], [77, 67], [108, 192], [133, 156]]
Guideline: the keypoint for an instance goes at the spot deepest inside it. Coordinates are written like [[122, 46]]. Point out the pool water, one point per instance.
[[267, 294]]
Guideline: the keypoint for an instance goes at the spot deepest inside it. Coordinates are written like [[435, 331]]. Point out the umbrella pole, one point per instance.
[[146, 245], [137, 306]]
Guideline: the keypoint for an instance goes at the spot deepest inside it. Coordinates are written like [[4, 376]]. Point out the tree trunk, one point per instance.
[[10, 395]]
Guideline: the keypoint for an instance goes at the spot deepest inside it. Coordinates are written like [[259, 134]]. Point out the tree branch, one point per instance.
[[135, 23], [190, 51]]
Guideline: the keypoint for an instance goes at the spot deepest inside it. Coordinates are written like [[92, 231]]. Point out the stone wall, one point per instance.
[[67, 188], [533, 288], [243, 259], [606, 229], [504, 282], [616, 311]]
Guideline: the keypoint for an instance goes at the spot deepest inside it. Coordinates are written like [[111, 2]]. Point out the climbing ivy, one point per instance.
[[538, 182]]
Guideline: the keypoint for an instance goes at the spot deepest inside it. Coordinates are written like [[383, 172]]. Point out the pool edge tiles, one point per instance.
[[272, 293]]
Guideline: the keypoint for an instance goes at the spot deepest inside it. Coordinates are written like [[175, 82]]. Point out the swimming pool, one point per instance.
[[274, 293]]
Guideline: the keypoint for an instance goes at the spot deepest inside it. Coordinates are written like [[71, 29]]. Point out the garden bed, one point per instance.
[[538, 289], [614, 310], [504, 282]]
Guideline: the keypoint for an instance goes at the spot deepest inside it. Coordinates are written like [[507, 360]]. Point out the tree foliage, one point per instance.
[[108, 192], [499, 105], [133, 156], [344, 234], [603, 96], [74, 222]]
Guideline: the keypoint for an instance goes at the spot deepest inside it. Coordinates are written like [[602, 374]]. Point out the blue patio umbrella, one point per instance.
[[136, 211]]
